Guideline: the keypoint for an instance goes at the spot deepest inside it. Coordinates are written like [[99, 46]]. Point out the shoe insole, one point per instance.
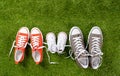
[[18, 55], [36, 56]]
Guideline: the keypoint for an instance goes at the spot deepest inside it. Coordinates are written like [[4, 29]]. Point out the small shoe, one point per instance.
[[22, 38], [51, 41], [62, 39], [77, 45], [95, 41], [36, 40]]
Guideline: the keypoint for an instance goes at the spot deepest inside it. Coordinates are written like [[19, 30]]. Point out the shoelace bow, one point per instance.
[[80, 51]]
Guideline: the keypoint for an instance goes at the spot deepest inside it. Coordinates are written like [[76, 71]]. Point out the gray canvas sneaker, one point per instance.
[[95, 41], [77, 45]]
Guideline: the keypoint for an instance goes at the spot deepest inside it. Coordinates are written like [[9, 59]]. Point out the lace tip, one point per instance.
[[54, 63], [67, 57]]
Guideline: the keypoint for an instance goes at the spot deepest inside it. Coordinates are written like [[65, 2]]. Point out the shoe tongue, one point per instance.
[[95, 62]]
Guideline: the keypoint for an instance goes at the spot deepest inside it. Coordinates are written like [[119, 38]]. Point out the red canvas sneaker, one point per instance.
[[36, 39], [22, 38]]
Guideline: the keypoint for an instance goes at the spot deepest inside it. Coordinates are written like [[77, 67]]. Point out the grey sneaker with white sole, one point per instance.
[[95, 41], [78, 48]]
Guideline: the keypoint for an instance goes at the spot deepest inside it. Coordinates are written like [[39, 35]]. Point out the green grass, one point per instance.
[[56, 16]]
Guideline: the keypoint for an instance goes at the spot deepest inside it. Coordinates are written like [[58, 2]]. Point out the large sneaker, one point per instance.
[[36, 39], [51, 41], [95, 40], [77, 45], [22, 38], [62, 39]]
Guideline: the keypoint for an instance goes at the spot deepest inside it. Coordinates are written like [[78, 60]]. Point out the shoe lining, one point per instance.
[[18, 55], [36, 56]]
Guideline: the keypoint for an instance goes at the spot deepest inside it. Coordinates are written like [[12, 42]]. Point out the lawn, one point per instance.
[[56, 16]]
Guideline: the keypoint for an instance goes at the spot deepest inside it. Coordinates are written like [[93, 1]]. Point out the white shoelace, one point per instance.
[[21, 41], [79, 47], [96, 47], [35, 40], [49, 60], [78, 43]]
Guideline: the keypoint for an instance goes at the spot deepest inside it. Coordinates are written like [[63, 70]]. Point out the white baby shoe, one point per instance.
[[61, 42], [51, 41]]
